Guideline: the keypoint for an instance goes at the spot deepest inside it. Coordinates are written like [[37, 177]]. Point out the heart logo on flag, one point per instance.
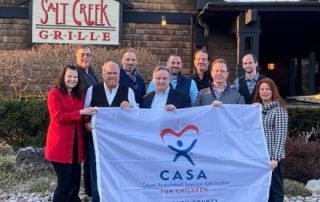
[[181, 142]]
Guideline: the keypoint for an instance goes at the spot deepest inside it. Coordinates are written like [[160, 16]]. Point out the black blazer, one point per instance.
[[175, 98]]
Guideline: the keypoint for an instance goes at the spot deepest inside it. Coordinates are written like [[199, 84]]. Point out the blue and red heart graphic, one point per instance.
[[181, 142]]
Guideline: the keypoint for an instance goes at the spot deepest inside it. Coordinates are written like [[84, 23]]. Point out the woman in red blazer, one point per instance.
[[64, 145]]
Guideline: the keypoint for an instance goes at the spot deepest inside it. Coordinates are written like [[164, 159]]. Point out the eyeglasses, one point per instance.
[[86, 54]]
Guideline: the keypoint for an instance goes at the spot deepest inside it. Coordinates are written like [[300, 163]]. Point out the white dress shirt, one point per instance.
[[160, 99], [110, 96]]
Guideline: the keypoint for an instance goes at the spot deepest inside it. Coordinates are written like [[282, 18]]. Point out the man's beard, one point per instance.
[[249, 71], [130, 68], [175, 72]]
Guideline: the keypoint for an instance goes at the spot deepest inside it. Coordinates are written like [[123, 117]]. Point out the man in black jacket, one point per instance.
[[83, 57], [202, 76], [130, 77]]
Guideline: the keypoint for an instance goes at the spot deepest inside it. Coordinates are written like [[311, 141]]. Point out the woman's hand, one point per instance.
[[256, 104], [88, 111], [273, 164], [88, 126]]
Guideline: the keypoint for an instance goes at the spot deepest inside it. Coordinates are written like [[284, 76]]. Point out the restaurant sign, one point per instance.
[[77, 21]]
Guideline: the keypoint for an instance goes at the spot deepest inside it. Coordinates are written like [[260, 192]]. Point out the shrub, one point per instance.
[[5, 149], [23, 123], [33, 72], [302, 120], [302, 162], [294, 188]]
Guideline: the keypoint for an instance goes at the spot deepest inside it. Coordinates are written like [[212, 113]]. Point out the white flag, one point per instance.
[[200, 154]]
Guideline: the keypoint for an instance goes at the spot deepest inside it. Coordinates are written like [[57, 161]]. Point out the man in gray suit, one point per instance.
[[220, 92]]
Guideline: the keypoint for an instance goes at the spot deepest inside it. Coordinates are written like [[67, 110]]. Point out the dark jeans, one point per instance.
[[91, 172], [276, 193], [86, 168], [68, 186]]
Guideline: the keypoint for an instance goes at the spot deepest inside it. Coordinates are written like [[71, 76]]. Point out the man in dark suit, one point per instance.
[[83, 57], [179, 82], [83, 60], [164, 96], [130, 77]]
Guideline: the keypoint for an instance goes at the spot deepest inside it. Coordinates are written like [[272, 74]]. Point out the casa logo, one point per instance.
[[181, 142]]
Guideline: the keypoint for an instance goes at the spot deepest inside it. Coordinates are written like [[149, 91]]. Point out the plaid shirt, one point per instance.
[[275, 123]]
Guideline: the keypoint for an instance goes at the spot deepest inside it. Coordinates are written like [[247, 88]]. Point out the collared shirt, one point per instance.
[[160, 99], [193, 91], [110, 96], [251, 83], [218, 93]]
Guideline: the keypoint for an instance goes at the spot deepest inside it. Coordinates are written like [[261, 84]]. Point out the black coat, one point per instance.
[[175, 98]]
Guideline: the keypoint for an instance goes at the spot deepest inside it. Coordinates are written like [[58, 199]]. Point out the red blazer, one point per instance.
[[65, 122]]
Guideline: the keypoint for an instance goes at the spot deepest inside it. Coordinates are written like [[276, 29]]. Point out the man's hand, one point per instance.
[[216, 103], [170, 107], [125, 105], [88, 126]]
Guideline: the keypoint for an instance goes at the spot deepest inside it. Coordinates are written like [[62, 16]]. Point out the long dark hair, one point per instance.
[[275, 93], [78, 90]]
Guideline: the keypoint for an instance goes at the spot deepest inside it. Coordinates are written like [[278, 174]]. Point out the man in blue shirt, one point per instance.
[[164, 97], [180, 83], [246, 85]]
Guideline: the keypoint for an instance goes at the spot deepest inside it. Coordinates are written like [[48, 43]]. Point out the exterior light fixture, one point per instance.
[[163, 21], [271, 66]]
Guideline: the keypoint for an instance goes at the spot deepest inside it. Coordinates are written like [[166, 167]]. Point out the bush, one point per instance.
[[23, 123], [302, 162], [303, 120], [33, 72], [294, 188]]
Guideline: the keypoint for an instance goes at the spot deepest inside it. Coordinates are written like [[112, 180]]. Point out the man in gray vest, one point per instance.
[[246, 85]]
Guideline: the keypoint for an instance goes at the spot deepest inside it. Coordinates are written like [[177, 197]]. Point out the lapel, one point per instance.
[[149, 99], [170, 98]]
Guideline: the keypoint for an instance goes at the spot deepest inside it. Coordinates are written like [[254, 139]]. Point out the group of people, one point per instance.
[[74, 99]]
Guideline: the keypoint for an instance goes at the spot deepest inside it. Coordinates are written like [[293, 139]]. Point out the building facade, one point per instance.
[[283, 35]]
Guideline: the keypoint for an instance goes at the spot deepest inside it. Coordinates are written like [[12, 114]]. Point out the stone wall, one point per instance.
[[223, 45], [8, 2], [13, 32], [173, 6], [174, 39]]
